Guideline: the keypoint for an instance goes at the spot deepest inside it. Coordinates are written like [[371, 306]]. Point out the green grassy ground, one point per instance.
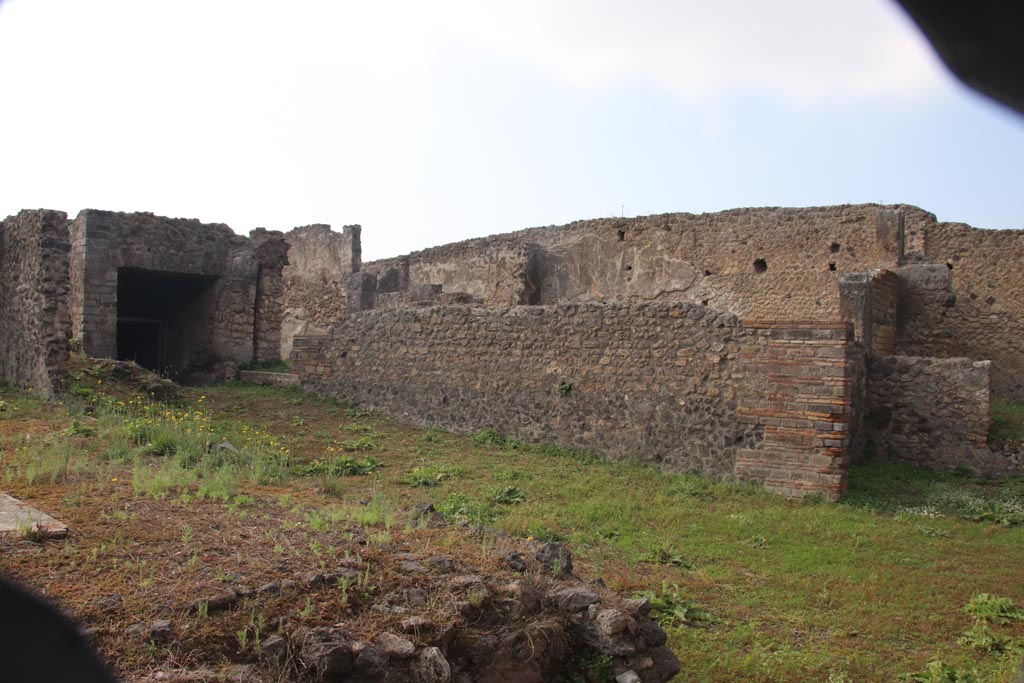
[[1007, 421], [871, 589]]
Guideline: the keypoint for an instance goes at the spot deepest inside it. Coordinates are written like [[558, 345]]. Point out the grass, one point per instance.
[[1007, 421], [272, 365], [750, 586]]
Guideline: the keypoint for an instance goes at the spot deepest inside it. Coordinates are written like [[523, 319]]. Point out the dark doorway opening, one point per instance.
[[143, 341], [164, 320]]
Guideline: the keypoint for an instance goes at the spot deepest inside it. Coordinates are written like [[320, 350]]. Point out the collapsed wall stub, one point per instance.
[[34, 322], [192, 300]]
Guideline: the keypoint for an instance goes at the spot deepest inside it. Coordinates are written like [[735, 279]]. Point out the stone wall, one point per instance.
[[663, 383], [34, 323], [932, 412], [764, 263], [967, 301], [767, 263], [316, 279]]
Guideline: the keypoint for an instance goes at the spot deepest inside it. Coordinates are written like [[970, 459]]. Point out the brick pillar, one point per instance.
[[800, 381]]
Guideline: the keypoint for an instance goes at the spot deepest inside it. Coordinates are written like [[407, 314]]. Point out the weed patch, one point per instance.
[[432, 475], [338, 467], [491, 437], [460, 507], [941, 672]]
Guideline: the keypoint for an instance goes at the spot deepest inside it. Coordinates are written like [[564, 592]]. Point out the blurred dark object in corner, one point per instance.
[[980, 41], [40, 645]]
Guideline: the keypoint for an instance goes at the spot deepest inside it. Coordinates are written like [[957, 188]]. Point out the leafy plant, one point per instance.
[[993, 609], [1002, 512], [981, 636], [988, 610], [79, 429], [669, 607], [508, 495], [563, 388], [162, 445]]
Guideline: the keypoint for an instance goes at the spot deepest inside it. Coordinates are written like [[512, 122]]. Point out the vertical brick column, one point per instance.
[[799, 379]]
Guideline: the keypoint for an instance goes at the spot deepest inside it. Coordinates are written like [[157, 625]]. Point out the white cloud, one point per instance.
[[806, 50], [803, 49]]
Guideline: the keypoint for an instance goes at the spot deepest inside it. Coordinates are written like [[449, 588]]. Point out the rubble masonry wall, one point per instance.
[[679, 385], [970, 303], [932, 412], [34, 322]]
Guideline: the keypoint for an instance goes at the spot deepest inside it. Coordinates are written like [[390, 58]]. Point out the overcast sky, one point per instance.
[[430, 122]]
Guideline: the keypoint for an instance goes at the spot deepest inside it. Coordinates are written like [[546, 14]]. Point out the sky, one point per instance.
[[432, 122]]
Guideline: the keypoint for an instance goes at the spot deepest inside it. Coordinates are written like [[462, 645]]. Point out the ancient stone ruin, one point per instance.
[[189, 300], [767, 345]]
